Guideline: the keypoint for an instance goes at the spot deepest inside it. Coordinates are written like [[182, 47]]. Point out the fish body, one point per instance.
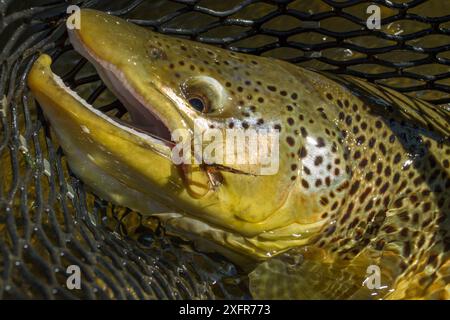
[[363, 174]]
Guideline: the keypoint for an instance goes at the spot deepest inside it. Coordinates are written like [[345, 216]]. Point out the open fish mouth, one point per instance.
[[143, 117]]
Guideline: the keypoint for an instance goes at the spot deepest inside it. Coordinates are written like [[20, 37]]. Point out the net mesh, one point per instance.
[[47, 219]]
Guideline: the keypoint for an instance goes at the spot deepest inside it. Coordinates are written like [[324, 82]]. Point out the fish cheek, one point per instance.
[[255, 198]]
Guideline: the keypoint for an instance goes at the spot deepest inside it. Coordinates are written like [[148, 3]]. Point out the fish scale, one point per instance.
[[398, 199], [363, 173]]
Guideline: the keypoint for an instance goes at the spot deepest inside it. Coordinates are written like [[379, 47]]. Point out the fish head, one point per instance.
[[173, 89]]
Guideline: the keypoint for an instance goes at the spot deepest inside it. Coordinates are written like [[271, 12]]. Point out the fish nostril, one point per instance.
[[156, 53]]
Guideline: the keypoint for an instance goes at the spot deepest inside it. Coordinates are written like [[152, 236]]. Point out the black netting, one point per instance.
[[48, 221]]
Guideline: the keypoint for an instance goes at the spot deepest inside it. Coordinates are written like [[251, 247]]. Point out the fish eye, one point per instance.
[[204, 94], [198, 104]]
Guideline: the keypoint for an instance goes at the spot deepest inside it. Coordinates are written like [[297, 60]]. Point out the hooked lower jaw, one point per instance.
[[50, 90], [116, 160]]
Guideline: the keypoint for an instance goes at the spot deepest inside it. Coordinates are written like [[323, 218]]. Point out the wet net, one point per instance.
[[48, 221]]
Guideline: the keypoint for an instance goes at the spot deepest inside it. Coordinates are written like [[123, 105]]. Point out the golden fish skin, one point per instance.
[[364, 172]]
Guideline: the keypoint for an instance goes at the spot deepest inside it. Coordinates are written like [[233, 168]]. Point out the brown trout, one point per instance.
[[363, 179]]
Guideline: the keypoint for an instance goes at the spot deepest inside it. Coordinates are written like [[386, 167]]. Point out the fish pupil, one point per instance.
[[197, 104]]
